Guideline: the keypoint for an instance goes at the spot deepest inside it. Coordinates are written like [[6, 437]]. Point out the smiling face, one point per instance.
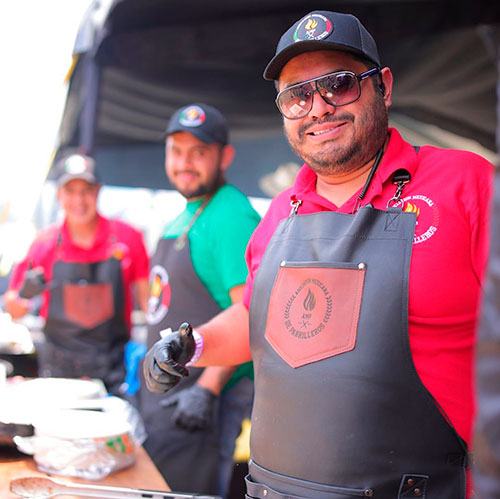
[[78, 199], [193, 167], [337, 140]]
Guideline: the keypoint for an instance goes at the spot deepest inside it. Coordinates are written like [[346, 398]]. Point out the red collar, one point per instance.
[[101, 234]]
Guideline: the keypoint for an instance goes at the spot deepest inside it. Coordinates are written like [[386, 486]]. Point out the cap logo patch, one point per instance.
[[75, 165], [192, 116], [313, 27]]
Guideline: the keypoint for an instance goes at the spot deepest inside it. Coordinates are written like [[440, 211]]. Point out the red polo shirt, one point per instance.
[[450, 191], [112, 236]]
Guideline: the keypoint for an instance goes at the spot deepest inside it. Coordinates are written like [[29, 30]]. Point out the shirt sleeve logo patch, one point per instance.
[[159, 295], [427, 216]]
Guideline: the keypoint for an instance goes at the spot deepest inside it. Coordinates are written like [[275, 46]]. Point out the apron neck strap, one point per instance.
[[378, 157], [180, 242]]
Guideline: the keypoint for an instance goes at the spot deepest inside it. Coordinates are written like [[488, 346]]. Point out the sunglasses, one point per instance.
[[337, 89]]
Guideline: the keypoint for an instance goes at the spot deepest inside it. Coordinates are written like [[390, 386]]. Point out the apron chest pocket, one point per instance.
[[314, 310], [88, 305]]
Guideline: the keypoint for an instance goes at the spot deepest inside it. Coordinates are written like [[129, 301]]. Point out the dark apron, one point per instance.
[[187, 460], [340, 410], [85, 330]]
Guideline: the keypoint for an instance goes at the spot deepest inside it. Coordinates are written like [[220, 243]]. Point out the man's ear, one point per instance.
[[387, 80], [227, 156]]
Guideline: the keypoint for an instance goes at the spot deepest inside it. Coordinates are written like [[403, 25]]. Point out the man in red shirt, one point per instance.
[[85, 269], [362, 298]]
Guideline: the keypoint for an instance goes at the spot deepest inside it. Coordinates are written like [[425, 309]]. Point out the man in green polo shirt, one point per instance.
[[198, 270]]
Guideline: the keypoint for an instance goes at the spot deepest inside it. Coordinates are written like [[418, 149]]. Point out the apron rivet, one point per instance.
[[368, 493], [361, 266]]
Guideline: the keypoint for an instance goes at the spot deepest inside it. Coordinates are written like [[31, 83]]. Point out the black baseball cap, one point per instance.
[[201, 120], [323, 30], [76, 166]]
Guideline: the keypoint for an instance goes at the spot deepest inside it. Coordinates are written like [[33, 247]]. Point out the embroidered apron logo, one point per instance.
[[302, 317], [159, 295], [427, 216]]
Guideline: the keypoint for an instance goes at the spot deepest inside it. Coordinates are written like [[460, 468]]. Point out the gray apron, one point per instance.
[[187, 460], [339, 409], [85, 331]]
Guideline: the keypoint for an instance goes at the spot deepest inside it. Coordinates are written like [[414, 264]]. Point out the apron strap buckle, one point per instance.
[[400, 179], [294, 203]]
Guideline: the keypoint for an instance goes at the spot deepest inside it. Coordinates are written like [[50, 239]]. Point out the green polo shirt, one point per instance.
[[217, 241]]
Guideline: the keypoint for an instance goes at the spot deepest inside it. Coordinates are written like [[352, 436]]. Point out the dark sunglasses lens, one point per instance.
[[339, 89], [295, 102]]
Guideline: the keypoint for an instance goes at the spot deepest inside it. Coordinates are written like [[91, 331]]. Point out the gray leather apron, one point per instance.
[[187, 460], [339, 408], [85, 331]]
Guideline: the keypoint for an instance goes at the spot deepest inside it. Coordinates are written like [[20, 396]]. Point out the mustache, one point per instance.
[[191, 172], [303, 129]]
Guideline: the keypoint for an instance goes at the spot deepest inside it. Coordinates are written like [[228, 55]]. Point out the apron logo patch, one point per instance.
[[308, 309], [301, 326], [88, 305], [159, 295], [427, 216]]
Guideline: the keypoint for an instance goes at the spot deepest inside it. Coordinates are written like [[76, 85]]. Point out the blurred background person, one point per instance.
[[198, 270], [85, 269], [487, 437]]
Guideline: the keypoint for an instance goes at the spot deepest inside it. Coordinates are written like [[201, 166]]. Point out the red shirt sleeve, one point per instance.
[[40, 254], [140, 258], [138, 266], [480, 219], [279, 209]]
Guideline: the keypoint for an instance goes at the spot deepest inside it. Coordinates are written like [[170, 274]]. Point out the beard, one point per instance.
[[203, 189], [370, 131]]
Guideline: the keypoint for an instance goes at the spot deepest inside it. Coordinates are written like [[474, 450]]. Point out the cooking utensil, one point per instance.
[[40, 487]]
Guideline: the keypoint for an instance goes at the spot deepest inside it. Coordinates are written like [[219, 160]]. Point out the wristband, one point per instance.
[[198, 340]]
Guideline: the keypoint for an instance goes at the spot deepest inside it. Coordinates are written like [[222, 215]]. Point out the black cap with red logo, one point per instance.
[[201, 120], [323, 30]]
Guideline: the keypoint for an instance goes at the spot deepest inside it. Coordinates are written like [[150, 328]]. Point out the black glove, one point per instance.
[[194, 409], [165, 363], [34, 283]]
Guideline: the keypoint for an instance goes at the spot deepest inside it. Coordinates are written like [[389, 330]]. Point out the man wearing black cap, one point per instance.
[[198, 270], [361, 303], [85, 269]]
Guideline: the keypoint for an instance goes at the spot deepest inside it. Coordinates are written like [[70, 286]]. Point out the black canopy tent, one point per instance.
[[139, 60]]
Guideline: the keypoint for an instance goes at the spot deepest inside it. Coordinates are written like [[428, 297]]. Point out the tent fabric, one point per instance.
[[143, 59]]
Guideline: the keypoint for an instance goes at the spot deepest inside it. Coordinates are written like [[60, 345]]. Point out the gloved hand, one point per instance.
[[165, 363], [194, 408], [34, 283]]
